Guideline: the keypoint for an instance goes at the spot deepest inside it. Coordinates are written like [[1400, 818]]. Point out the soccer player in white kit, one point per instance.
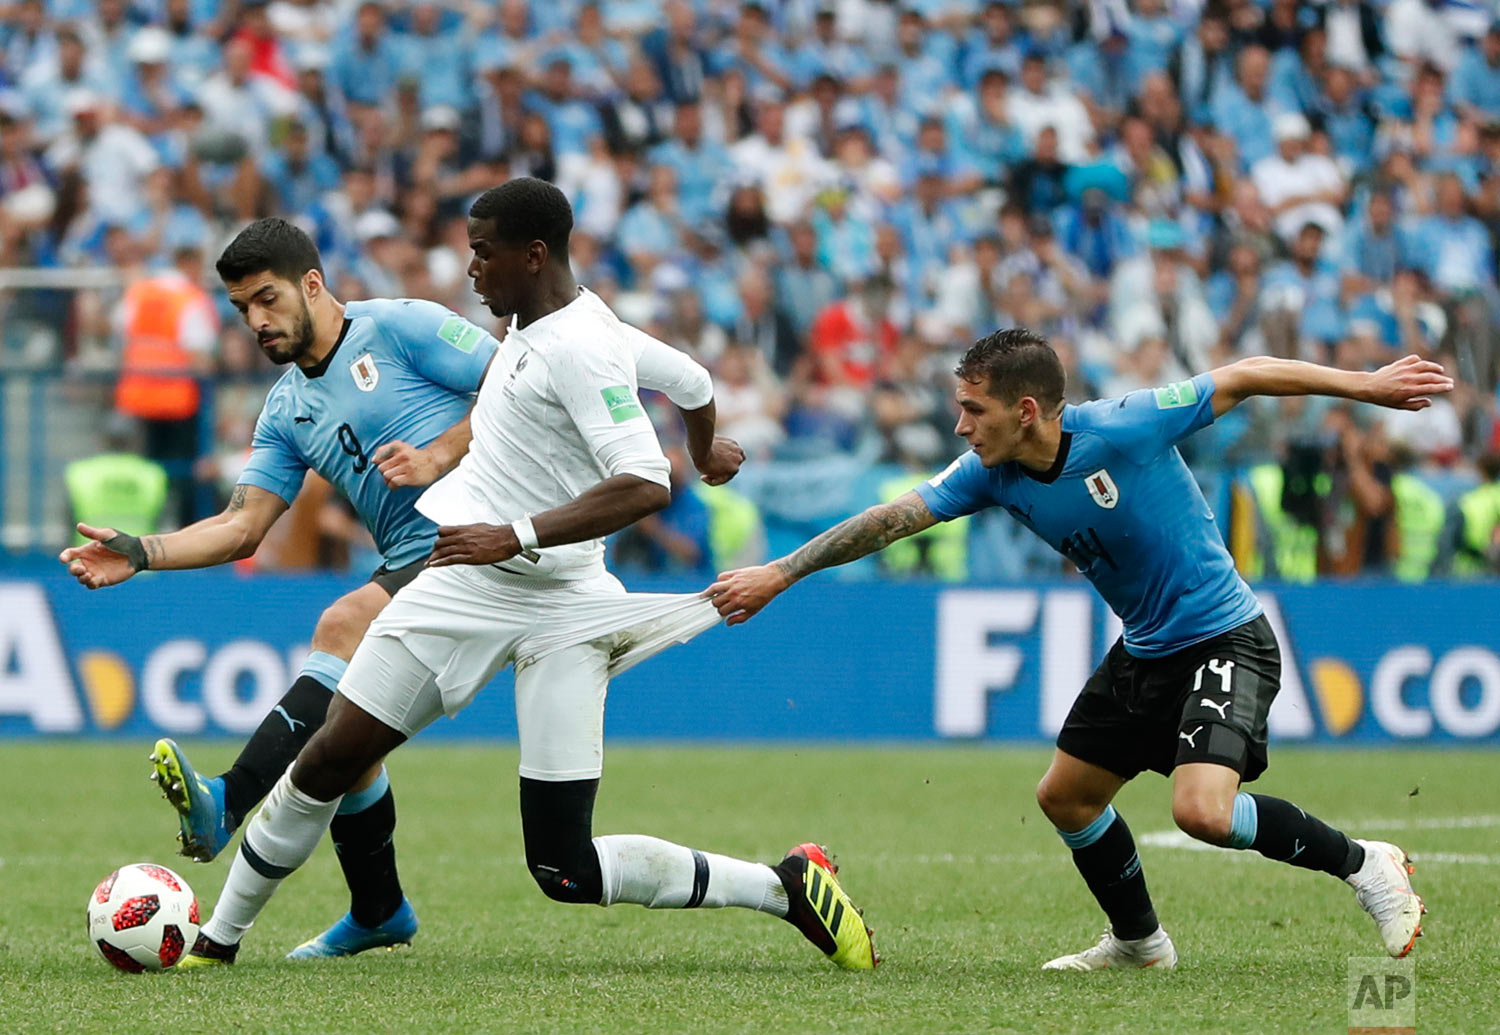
[[562, 455]]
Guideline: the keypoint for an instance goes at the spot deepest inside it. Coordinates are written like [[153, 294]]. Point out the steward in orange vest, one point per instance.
[[169, 325]]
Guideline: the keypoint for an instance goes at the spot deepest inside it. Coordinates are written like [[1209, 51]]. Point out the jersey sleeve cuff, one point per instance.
[[698, 393], [934, 501], [650, 470], [260, 481], [1206, 387]]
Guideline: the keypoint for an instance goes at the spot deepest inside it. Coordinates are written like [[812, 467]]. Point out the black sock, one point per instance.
[[1287, 834], [1112, 870], [557, 819], [366, 847], [274, 745]]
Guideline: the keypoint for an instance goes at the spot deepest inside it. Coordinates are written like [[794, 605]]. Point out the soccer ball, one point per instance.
[[143, 917]]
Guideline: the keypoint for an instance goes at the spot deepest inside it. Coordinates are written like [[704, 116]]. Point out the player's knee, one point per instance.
[[340, 628], [573, 885], [1202, 817], [1062, 805]]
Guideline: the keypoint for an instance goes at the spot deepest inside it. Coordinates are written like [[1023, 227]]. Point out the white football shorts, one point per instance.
[[452, 629]]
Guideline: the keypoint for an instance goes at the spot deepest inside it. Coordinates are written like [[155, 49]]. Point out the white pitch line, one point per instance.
[[1421, 823], [1177, 839]]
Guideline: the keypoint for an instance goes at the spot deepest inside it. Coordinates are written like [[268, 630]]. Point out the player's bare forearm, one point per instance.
[[716, 458], [606, 508], [863, 534], [1407, 384], [234, 534], [701, 424], [603, 510], [451, 446], [740, 595], [112, 556], [402, 464]]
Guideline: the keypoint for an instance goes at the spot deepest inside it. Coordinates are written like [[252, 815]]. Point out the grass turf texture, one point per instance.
[[967, 887]]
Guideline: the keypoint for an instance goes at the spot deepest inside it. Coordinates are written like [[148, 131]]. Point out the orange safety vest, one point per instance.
[[156, 372]]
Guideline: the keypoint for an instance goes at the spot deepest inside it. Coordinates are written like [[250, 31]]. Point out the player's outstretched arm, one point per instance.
[[402, 464], [606, 508], [740, 595], [115, 556], [1407, 384]]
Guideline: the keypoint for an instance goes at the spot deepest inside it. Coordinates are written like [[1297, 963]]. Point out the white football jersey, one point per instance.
[[557, 414]]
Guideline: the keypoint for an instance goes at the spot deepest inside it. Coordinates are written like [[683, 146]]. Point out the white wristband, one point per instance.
[[525, 534]]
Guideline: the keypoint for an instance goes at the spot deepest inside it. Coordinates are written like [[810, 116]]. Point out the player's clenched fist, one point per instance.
[[739, 595], [402, 464], [110, 559], [473, 544], [722, 462]]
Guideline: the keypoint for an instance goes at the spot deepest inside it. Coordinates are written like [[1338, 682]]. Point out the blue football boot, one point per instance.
[[199, 802], [347, 938]]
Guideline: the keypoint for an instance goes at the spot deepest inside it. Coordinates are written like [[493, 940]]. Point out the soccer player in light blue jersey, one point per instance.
[[1186, 690], [376, 401]]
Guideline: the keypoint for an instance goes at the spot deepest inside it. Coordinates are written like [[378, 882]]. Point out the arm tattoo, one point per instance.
[[862, 534], [237, 500], [155, 551]]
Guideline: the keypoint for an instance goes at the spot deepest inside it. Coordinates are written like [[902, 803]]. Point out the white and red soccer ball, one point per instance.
[[143, 917]]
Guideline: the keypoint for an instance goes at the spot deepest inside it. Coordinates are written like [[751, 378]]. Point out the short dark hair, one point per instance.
[[1017, 363], [269, 246], [527, 209]]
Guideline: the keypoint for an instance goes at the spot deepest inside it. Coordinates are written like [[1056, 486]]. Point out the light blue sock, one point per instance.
[[358, 801], [326, 668], [1091, 833], [1244, 822]]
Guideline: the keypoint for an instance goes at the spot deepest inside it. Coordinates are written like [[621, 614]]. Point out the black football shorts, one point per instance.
[[1205, 703]]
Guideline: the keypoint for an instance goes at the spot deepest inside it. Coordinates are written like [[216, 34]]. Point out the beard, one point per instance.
[[294, 346]]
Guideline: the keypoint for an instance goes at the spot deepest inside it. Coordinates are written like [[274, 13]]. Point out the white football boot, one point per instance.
[[1383, 887], [1154, 950]]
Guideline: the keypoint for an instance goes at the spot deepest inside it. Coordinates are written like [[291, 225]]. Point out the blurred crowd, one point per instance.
[[824, 201]]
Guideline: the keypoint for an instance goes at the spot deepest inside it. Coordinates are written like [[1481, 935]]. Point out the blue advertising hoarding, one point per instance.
[[209, 653]]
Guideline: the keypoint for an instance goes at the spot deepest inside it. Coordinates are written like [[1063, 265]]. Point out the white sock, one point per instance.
[[660, 875], [277, 841]]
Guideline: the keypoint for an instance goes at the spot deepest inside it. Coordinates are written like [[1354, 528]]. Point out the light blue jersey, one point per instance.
[[402, 370], [1121, 505]]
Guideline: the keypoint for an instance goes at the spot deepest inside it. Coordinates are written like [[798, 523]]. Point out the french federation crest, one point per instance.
[[365, 373], [1102, 487]]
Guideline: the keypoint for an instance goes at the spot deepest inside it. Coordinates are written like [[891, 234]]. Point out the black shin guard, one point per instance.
[[366, 847], [1111, 868], [274, 745], [557, 823], [1287, 834]]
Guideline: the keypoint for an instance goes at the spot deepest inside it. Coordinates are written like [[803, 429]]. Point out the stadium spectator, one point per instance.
[[1243, 109], [366, 58], [804, 284], [1297, 184]]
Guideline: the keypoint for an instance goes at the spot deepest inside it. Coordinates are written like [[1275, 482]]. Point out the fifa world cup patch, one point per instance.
[[460, 333], [1183, 393], [622, 403], [365, 373], [1102, 487]]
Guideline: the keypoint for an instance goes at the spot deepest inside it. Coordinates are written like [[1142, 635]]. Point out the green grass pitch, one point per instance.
[[968, 889]]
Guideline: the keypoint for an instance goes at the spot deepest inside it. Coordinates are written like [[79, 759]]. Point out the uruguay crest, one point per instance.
[[1102, 487], [365, 373]]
